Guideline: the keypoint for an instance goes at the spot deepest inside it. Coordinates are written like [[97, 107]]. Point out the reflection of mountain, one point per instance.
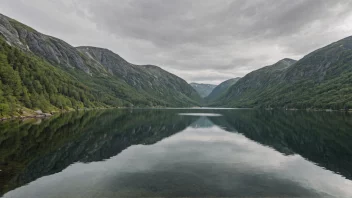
[[32, 151], [202, 122], [29, 151], [323, 138]]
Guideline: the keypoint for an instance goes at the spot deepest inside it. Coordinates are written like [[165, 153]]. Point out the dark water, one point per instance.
[[178, 153]]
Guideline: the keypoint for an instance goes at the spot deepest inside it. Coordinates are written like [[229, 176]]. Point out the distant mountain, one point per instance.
[[42, 72], [203, 89], [221, 89], [321, 79]]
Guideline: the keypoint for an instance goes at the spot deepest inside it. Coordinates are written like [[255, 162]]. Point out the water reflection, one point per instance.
[[235, 154], [322, 137], [30, 151]]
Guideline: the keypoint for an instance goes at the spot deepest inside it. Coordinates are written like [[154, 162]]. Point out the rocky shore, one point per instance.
[[35, 114]]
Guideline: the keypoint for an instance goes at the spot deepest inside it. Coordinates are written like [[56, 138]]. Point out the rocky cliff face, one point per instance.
[[203, 89], [55, 51]]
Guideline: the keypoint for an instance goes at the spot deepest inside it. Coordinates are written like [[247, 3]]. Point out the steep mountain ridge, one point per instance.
[[321, 79], [323, 64], [96, 80], [54, 50], [221, 89], [255, 82], [148, 78]]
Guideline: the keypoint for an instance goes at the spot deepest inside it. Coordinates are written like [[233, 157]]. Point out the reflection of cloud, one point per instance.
[[195, 162], [202, 122], [200, 114]]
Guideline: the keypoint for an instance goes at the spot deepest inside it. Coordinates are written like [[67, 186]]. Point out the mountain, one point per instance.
[[221, 89], [148, 79], [203, 89], [42, 72], [320, 80], [247, 88]]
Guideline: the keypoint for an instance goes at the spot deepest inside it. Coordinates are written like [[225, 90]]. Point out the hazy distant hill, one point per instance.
[[221, 89], [203, 89]]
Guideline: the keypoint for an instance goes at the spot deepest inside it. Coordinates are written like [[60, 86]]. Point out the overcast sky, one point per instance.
[[199, 40]]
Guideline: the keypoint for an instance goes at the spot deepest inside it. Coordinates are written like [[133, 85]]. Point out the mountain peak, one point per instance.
[[86, 47], [286, 61], [281, 64]]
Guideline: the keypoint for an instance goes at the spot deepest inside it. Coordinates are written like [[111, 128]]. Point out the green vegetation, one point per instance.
[[320, 80], [331, 94], [40, 72], [28, 82]]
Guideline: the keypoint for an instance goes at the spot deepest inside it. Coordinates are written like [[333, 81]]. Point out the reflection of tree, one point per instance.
[[323, 138], [29, 151]]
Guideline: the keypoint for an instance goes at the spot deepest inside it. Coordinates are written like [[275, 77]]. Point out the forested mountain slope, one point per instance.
[[254, 83], [42, 72], [149, 79], [321, 79]]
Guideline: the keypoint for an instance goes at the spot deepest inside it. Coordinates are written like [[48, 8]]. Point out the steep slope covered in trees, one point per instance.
[[246, 90], [321, 79], [148, 79], [27, 81], [42, 72]]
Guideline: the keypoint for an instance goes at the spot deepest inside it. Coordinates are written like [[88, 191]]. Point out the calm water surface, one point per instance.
[[178, 153]]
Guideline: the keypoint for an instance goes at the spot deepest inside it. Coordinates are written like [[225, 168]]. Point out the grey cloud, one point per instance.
[[191, 38]]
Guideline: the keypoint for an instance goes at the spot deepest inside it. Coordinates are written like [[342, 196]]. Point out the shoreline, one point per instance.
[[40, 115]]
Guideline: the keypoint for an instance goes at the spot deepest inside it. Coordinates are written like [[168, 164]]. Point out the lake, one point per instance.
[[178, 153]]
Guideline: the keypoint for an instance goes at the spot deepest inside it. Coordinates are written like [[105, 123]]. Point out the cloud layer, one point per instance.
[[199, 40]]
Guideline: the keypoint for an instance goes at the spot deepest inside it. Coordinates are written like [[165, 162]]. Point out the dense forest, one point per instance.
[[29, 82]]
